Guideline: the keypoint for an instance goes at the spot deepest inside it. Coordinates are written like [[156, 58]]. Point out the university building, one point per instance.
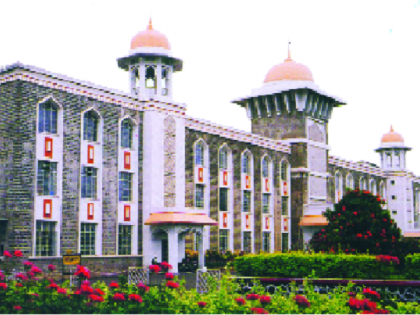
[[125, 177]]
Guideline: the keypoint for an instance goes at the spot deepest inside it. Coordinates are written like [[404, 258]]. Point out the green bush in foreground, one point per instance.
[[32, 295]]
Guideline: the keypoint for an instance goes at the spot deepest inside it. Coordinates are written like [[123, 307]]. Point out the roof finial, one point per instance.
[[288, 51], [150, 27], [392, 129]]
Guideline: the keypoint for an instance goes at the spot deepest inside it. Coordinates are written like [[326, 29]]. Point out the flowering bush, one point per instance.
[[302, 301], [169, 276], [154, 268], [165, 266]]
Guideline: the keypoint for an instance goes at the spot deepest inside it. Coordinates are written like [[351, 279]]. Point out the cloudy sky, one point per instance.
[[365, 52]]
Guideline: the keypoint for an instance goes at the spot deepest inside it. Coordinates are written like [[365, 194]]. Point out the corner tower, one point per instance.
[[290, 107], [150, 65]]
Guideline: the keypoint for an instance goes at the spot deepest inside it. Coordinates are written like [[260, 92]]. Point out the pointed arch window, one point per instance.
[[223, 158], [90, 126], [246, 163], [150, 77], [199, 154], [47, 120], [126, 134], [265, 166]]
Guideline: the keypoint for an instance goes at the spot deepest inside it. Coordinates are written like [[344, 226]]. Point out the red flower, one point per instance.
[[378, 199], [240, 301], [35, 270], [135, 298], [339, 214], [86, 289], [359, 235], [252, 297], [20, 276], [51, 267], [171, 284], [355, 213], [96, 298], [61, 291], [17, 307], [302, 301], [99, 292], [344, 208], [201, 304], [119, 297], [265, 299], [53, 286], [142, 286], [114, 285], [372, 215], [369, 292], [18, 284], [82, 272], [385, 220], [7, 254], [35, 294], [323, 230], [154, 268], [169, 276], [28, 263], [259, 310], [18, 253], [165, 265]]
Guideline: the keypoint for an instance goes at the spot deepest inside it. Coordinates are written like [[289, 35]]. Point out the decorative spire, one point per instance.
[[150, 26], [392, 129], [288, 51]]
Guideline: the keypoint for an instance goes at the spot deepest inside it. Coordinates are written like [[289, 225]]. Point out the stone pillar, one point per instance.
[[173, 248], [201, 254], [132, 80], [169, 81], [142, 80], [159, 79]]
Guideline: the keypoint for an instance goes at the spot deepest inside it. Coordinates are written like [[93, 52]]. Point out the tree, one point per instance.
[[358, 224]]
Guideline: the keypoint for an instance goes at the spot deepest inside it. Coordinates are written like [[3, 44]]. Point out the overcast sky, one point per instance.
[[365, 52]]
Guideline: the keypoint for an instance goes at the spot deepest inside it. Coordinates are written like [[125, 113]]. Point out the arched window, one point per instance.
[[246, 163], [126, 134], [265, 166], [223, 158], [90, 126], [350, 181], [199, 153], [47, 120], [150, 77], [373, 187], [284, 171], [397, 159]]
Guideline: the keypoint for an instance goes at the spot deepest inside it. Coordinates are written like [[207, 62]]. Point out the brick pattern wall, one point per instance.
[[280, 127], [214, 142]]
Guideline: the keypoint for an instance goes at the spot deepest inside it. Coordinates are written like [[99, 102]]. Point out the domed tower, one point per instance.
[[291, 107], [392, 151], [150, 65]]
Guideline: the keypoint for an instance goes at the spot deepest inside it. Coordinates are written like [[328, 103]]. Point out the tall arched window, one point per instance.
[[126, 134], [265, 166], [246, 163], [338, 187], [199, 153], [90, 126], [47, 120], [284, 170], [350, 181], [223, 158]]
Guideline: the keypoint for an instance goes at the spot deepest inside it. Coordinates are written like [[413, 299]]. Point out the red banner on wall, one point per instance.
[[48, 147]]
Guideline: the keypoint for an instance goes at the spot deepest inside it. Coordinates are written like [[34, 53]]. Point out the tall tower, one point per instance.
[[150, 65], [399, 186], [290, 107]]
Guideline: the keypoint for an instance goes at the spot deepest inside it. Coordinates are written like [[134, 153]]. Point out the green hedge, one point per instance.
[[299, 265], [412, 266]]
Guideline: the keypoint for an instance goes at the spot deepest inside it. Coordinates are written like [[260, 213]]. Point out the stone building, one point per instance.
[[125, 177]]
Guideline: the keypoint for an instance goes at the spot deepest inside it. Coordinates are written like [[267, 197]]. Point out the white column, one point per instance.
[[169, 81], [173, 248], [200, 251], [132, 79]]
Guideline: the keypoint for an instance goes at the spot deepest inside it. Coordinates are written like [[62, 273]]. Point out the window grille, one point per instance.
[[90, 126], [87, 238], [223, 158], [125, 186], [284, 206], [223, 199], [199, 196], [47, 121], [124, 239], [266, 203], [246, 165], [246, 205], [45, 238], [247, 242], [223, 240], [266, 241], [126, 134], [265, 167], [47, 178], [89, 182], [199, 154]]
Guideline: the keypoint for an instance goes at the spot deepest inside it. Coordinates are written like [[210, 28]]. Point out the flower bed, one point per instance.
[[35, 292]]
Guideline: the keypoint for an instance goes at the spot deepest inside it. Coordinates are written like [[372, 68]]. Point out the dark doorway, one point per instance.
[[165, 249]]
